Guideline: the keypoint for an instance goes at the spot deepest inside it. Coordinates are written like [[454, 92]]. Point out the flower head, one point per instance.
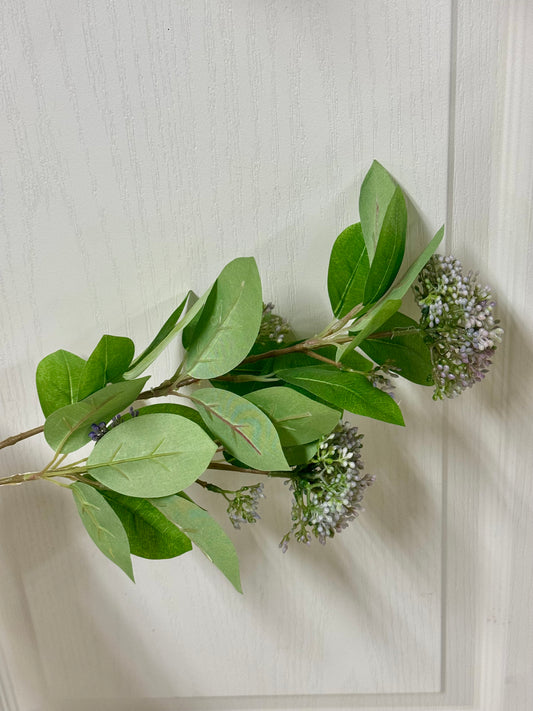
[[328, 490], [458, 323], [243, 507], [100, 429], [274, 329]]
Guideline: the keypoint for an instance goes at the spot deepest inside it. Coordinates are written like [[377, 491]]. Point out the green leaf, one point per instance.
[[389, 304], [354, 360], [299, 360], [376, 193], [150, 533], [229, 323], [348, 270], [168, 332], [242, 428], [57, 380], [204, 532], [403, 286], [406, 351], [173, 408], [103, 526], [68, 428], [188, 332], [350, 391], [377, 315], [107, 363], [150, 456], [297, 418], [301, 454], [389, 251]]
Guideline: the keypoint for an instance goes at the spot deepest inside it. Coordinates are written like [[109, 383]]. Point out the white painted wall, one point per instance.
[[144, 144]]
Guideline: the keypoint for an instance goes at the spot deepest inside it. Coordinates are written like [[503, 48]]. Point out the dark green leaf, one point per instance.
[[348, 270], [107, 363], [168, 332], [242, 428], [376, 193], [150, 533], [103, 525], [188, 332], [405, 351], [67, 429], [229, 323], [57, 380], [204, 532], [299, 360], [297, 418], [354, 360], [350, 391], [301, 454], [389, 251], [156, 455]]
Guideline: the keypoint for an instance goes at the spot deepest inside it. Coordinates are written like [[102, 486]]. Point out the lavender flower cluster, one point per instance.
[[274, 328], [458, 323], [243, 507], [100, 429], [327, 492]]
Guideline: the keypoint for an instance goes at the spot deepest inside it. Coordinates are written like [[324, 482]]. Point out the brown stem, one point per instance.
[[231, 468], [23, 435], [312, 354]]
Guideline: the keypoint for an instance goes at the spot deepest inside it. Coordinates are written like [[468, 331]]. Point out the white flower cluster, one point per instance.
[[458, 323], [327, 492]]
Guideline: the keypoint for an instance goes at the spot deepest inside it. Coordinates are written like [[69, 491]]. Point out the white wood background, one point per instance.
[[144, 144]]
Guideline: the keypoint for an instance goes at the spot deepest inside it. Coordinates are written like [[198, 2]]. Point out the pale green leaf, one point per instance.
[[376, 193], [389, 251], [68, 428], [103, 525], [168, 332], [297, 418], [243, 428], [229, 323], [204, 532], [156, 455]]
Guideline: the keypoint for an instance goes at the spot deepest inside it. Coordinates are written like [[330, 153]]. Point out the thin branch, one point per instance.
[[9, 441]]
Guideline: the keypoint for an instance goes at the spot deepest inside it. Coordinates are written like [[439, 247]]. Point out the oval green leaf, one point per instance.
[[68, 428], [107, 363], [348, 270], [230, 320], [243, 429], [350, 391], [156, 455], [103, 526], [297, 418], [57, 379], [150, 533], [389, 251], [376, 193], [204, 532]]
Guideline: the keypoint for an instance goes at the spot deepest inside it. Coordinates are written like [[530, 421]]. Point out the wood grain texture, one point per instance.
[[146, 144]]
